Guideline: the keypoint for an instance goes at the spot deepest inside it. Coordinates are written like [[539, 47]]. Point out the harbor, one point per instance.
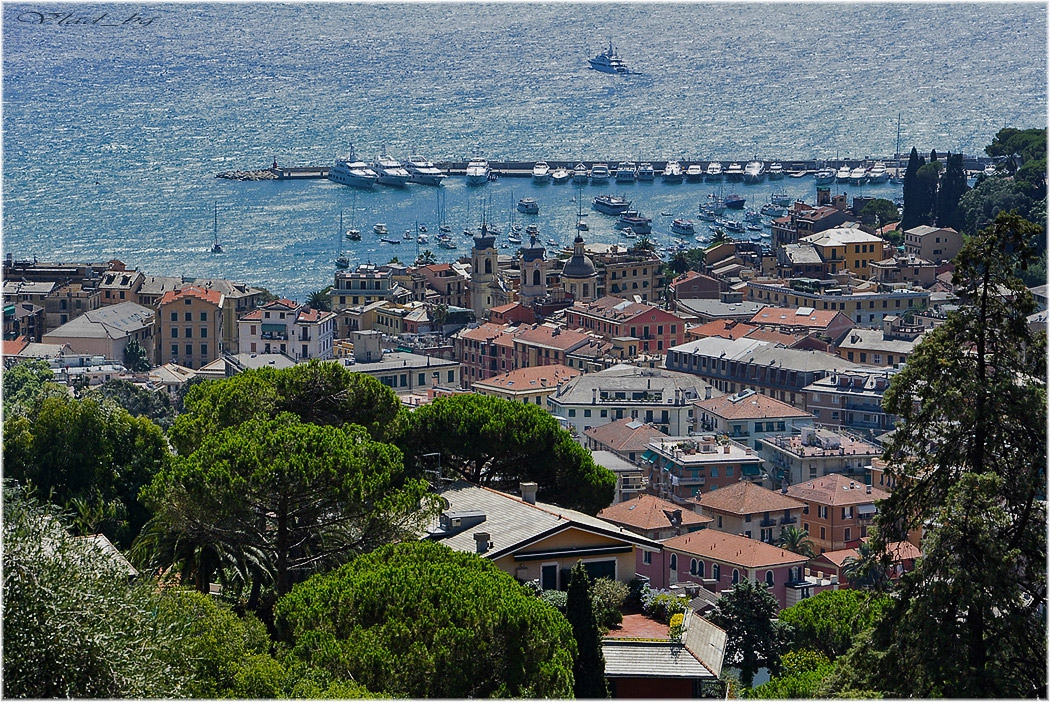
[[524, 169]]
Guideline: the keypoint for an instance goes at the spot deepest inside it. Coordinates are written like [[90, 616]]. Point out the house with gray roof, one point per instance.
[[652, 395], [106, 331], [731, 365], [533, 540]]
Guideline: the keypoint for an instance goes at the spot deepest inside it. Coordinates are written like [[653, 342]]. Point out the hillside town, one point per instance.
[[740, 403]]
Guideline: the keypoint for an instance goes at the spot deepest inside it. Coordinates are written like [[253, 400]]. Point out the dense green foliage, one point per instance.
[[753, 639], [829, 621], [1022, 153], [89, 456], [25, 383], [316, 392], [802, 675], [420, 620], [588, 669], [73, 625], [155, 405], [796, 540], [969, 457], [135, 357], [301, 497], [495, 442]]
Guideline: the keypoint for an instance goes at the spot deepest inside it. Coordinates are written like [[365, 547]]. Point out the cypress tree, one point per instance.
[[589, 668], [911, 216], [952, 188]]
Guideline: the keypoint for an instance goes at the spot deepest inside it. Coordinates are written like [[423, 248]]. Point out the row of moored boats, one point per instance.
[[386, 170]]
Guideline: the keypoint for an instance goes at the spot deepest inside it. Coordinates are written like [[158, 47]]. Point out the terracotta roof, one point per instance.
[[746, 497], [732, 549], [624, 435], [725, 328], [484, 332], [776, 337], [212, 296], [792, 316], [14, 347], [836, 558], [554, 337], [531, 379], [505, 308], [647, 512], [834, 489], [753, 406]]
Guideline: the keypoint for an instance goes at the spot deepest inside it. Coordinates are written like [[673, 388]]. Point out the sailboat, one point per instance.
[[216, 247], [898, 177], [343, 261], [352, 233]]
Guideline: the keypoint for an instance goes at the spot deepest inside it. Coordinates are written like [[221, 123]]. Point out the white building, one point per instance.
[[652, 395], [284, 326]]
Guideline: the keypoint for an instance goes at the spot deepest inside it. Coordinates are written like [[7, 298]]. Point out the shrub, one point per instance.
[[662, 604]]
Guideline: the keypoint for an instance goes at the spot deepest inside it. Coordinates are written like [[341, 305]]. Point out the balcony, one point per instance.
[[275, 336], [768, 522], [788, 520]]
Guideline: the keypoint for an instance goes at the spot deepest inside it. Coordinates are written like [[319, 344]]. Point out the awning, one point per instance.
[[866, 509]]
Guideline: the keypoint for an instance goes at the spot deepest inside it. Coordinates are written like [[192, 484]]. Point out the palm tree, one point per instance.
[[866, 571], [426, 258], [319, 299], [796, 540], [720, 237]]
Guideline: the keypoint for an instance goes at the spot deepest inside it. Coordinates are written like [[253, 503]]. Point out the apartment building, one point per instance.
[[190, 323], [285, 326], [838, 510]]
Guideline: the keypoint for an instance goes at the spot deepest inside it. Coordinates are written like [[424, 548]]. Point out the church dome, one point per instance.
[[580, 265]]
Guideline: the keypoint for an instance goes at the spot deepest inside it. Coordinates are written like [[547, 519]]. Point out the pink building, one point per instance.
[[718, 560]]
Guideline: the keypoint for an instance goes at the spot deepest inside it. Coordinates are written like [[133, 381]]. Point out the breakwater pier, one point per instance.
[[523, 169]]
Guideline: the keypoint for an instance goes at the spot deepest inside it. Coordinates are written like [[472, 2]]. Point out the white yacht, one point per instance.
[[477, 171], [541, 172], [878, 173], [390, 171], [734, 173], [714, 171], [776, 171], [754, 172], [600, 173], [560, 175], [422, 171], [694, 173], [350, 171], [824, 175], [608, 61], [579, 174], [858, 175], [625, 172], [672, 172], [645, 172], [842, 174]]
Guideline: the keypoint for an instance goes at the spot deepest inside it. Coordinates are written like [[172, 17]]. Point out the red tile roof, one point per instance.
[[723, 328], [745, 497], [647, 512], [732, 549], [13, 347], [624, 435], [756, 406], [212, 296], [836, 489], [531, 379], [791, 316]]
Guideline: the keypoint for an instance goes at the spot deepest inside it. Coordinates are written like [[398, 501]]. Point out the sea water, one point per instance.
[[117, 117]]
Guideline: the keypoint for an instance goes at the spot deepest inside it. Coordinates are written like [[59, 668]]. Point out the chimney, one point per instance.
[[528, 492], [481, 539], [868, 489]]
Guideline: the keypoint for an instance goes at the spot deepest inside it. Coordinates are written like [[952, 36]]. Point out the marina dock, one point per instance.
[[523, 169]]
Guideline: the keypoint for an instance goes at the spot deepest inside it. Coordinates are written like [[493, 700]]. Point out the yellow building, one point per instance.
[[853, 249], [529, 385]]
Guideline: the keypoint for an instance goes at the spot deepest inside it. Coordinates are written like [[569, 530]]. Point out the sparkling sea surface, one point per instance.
[[117, 117]]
